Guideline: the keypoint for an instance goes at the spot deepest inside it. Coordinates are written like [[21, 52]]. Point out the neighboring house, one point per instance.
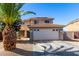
[[73, 25], [43, 28], [72, 30]]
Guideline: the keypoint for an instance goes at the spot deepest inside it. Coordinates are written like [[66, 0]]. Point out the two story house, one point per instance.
[[43, 28]]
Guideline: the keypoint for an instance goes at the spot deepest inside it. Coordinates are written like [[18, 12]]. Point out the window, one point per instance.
[[36, 29], [46, 21], [53, 29], [35, 21], [28, 25], [61, 29], [56, 29]]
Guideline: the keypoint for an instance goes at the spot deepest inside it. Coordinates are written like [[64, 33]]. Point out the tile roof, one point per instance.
[[47, 26], [38, 18], [76, 20]]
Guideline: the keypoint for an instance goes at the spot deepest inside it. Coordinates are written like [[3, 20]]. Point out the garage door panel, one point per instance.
[[45, 35]]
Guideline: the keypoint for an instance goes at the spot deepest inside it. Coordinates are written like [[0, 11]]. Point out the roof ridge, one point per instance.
[[76, 20], [39, 17]]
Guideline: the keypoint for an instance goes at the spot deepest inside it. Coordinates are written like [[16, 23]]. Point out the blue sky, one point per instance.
[[62, 12]]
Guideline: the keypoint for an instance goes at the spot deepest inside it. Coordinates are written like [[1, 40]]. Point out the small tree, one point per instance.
[[10, 14]]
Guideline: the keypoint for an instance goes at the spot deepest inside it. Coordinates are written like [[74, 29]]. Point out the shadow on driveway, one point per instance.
[[55, 52], [22, 52]]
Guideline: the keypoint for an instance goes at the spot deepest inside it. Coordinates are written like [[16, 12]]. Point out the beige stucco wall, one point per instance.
[[72, 27], [61, 35], [69, 35]]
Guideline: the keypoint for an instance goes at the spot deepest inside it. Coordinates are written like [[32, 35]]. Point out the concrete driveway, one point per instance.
[[56, 48], [43, 48]]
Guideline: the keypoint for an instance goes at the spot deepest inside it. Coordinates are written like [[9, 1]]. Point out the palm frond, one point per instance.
[[28, 12], [10, 12], [19, 5]]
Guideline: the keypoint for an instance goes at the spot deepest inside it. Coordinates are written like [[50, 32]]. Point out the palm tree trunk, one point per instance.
[[9, 38]]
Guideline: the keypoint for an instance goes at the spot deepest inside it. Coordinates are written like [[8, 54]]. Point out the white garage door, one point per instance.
[[45, 34]]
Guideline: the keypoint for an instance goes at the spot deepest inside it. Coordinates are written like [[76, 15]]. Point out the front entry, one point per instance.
[[28, 34]]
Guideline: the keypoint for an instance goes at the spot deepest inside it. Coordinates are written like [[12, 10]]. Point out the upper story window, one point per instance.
[[35, 22], [46, 21]]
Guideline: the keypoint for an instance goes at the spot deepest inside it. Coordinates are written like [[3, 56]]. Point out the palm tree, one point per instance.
[[9, 14]]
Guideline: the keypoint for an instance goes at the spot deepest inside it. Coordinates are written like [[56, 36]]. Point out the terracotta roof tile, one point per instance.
[[38, 18], [76, 20], [47, 25]]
